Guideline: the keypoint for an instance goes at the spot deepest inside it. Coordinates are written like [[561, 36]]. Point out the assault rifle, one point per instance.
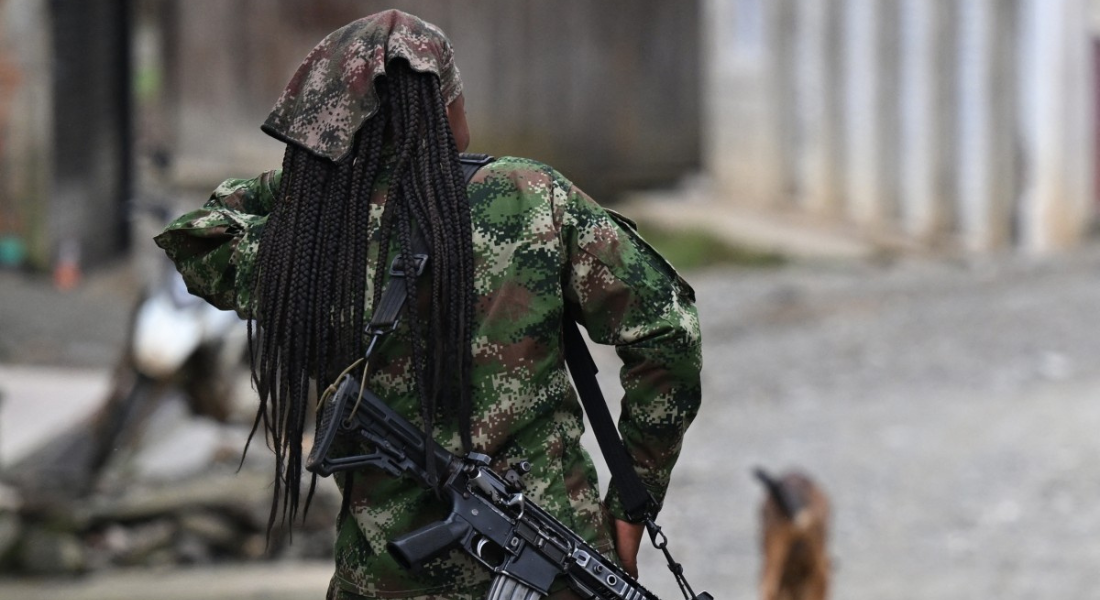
[[491, 519]]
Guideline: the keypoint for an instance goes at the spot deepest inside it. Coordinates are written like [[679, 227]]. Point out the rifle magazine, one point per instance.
[[507, 588]]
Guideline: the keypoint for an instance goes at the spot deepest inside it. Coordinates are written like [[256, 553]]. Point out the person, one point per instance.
[[374, 122]]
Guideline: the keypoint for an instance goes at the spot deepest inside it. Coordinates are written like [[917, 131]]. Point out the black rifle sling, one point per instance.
[[388, 311], [637, 501], [389, 306], [471, 163], [639, 504]]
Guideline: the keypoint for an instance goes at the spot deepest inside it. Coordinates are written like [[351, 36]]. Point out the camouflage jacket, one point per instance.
[[540, 244]]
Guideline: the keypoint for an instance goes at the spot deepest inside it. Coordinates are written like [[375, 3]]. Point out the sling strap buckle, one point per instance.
[[399, 266]]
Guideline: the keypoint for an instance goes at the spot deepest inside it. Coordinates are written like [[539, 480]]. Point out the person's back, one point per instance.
[[477, 357]]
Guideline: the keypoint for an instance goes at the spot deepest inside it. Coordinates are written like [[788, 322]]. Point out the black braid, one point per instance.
[[461, 317], [310, 289]]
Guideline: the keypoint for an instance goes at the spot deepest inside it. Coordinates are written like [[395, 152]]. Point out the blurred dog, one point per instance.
[[795, 519]]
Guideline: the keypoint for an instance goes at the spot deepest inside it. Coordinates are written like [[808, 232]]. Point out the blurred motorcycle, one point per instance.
[[176, 341], [180, 339]]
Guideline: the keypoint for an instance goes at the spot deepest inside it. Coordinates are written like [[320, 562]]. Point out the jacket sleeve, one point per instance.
[[215, 247], [625, 294]]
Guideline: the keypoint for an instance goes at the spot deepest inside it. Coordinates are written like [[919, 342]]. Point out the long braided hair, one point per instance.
[[310, 286]]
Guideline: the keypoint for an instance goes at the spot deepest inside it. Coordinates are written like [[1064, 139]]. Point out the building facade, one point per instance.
[[963, 125], [94, 91], [64, 129]]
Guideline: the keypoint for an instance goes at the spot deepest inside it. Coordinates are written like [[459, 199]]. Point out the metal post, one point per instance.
[[985, 130], [815, 78], [1055, 124], [863, 112], [922, 202]]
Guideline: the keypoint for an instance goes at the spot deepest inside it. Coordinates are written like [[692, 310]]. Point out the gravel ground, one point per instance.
[[950, 411]]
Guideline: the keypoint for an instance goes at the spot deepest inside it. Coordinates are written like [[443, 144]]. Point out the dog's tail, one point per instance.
[[789, 501]]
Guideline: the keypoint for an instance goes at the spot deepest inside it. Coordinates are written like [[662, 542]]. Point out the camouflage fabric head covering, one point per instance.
[[332, 94]]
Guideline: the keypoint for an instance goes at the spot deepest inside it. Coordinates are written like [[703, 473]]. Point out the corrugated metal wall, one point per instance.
[[954, 124]]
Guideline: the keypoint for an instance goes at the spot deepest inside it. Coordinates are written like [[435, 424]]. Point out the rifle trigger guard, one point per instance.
[[479, 548]]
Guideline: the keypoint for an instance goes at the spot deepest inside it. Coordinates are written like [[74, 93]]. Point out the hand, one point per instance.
[[628, 539]]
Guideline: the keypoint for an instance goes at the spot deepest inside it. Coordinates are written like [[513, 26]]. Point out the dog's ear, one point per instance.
[[770, 483], [785, 498]]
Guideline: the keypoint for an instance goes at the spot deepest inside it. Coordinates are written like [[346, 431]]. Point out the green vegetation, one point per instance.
[[689, 249]]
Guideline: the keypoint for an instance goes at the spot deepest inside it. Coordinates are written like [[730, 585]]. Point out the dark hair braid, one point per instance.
[[310, 286], [460, 316]]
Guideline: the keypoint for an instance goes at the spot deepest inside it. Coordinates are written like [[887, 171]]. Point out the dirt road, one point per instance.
[[950, 410]]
